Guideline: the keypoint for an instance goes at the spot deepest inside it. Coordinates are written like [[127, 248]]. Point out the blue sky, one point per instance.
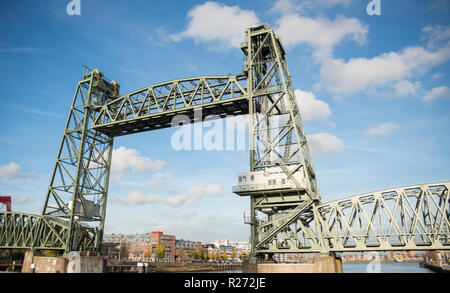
[[373, 92]]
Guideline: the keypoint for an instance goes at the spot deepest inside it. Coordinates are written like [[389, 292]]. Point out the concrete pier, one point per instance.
[[43, 264], [437, 261], [74, 263], [321, 264]]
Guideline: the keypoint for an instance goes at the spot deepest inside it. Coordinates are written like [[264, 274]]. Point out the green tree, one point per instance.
[[233, 255], [160, 251], [225, 256], [148, 253], [241, 256], [198, 254]]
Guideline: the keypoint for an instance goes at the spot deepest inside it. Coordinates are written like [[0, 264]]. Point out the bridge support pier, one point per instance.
[[321, 264], [71, 264], [436, 256], [43, 264]]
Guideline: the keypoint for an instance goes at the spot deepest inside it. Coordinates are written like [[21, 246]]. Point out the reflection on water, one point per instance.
[[372, 268], [384, 268]]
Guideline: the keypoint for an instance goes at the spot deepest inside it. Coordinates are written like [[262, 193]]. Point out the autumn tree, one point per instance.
[[148, 253], [198, 254], [160, 251]]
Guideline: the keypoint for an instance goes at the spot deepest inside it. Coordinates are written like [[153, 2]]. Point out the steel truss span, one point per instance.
[[282, 219], [407, 218], [24, 231], [155, 106]]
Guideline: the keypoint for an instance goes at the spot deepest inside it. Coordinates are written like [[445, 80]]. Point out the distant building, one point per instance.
[[143, 247], [217, 243], [228, 247], [159, 238], [241, 246], [210, 249], [138, 246], [185, 244], [183, 249], [118, 246]]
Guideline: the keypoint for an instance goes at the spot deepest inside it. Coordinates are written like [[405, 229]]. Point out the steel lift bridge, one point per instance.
[[286, 214]]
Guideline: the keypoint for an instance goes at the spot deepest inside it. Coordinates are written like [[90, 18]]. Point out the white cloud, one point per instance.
[[363, 74], [180, 215], [7, 48], [192, 195], [324, 144], [436, 34], [159, 180], [437, 93], [286, 6], [21, 200], [137, 197], [289, 6], [382, 129], [405, 88], [320, 33], [398, 89], [219, 25], [12, 171], [391, 70], [125, 160], [310, 107], [331, 3], [441, 6]]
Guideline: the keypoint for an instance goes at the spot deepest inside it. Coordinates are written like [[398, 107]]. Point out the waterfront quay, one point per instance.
[[438, 262], [130, 266]]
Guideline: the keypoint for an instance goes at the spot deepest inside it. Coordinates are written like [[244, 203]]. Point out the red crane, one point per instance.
[[7, 201]]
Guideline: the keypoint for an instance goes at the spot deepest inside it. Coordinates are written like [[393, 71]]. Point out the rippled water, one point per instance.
[[384, 268], [372, 268]]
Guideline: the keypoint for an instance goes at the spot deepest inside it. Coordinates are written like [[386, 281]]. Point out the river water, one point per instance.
[[384, 268], [374, 268]]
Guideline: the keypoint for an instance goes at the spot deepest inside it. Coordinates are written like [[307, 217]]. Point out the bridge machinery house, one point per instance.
[[270, 181]]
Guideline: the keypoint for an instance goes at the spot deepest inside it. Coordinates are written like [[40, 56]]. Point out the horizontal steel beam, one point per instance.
[[155, 106], [26, 231]]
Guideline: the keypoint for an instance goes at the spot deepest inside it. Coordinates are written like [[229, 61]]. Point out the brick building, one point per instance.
[[139, 248], [159, 238]]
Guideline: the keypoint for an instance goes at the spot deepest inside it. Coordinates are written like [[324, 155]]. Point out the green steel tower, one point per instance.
[[278, 144], [77, 195]]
